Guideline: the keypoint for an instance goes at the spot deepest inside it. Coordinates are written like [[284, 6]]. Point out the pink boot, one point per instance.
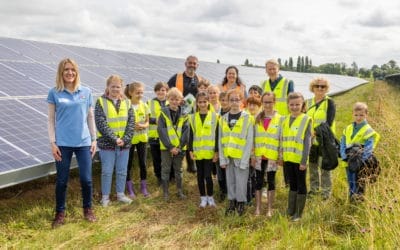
[[131, 190], [143, 188]]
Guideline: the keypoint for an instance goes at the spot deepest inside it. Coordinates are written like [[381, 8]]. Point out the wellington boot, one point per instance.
[[291, 203], [300, 204]]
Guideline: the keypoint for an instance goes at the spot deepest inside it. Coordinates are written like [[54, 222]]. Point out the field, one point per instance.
[[27, 210]]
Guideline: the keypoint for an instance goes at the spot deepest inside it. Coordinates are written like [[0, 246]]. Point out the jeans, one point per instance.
[[109, 159], [84, 159]]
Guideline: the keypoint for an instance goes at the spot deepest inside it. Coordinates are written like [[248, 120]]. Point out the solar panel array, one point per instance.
[[27, 72]]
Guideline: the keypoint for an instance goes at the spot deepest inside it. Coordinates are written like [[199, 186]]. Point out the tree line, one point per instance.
[[304, 64]]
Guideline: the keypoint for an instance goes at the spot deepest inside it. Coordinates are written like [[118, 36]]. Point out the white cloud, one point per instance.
[[326, 31]]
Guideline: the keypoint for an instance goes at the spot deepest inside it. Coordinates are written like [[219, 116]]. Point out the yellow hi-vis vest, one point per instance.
[[281, 93], [233, 140], [319, 115], [155, 110], [203, 135], [116, 120], [174, 133], [361, 136], [293, 137], [140, 117], [267, 141]]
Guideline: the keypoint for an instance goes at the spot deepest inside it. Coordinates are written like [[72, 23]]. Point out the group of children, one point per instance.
[[243, 141]]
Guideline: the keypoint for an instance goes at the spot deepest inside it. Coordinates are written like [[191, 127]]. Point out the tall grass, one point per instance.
[[27, 210]]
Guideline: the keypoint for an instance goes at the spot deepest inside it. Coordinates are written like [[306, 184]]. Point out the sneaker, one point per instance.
[[58, 219], [211, 202], [105, 201], [123, 198], [203, 201], [89, 215]]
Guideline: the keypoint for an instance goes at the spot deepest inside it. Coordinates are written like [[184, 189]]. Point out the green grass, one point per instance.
[[27, 210]]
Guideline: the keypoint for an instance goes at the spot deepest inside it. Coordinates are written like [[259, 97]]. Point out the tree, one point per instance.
[[218, 61], [365, 73], [306, 64], [286, 64], [280, 62], [302, 64], [290, 63], [246, 62], [298, 68], [392, 64]]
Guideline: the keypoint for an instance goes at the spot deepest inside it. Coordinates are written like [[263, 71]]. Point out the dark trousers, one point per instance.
[[141, 149], [297, 177], [84, 159], [221, 176], [204, 168], [251, 184], [156, 157], [260, 177], [286, 176]]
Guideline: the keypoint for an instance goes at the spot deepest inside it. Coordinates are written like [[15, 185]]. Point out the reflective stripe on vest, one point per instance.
[[203, 135], [361, 136], [267, 141], [319, 115], [116, 120], [155, 110], [281, 92], [293, 138], [174, 134], [140, 117], [233, 140]]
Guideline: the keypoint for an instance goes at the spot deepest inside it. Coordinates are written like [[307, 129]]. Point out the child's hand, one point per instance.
[[192, 156], [215, 157], [253, 161], [302, 167], [224, 166]]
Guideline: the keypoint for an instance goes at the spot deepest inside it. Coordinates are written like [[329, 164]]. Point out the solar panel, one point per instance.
[[28, 71]]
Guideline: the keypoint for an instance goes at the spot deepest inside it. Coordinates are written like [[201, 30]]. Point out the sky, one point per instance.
[[327, 31]]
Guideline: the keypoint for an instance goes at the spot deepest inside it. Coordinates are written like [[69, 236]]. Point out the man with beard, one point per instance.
[[187, 82]]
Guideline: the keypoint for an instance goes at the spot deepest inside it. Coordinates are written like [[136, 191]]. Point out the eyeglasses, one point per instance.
[[234, 100], [320, 86], [268, 102]]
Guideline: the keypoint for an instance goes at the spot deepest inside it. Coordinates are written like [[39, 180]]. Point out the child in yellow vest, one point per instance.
[[134, 92], [267, 129], [202, 146], [296, 143], [173, 131], [235, 145], [155, 106], [358, 133]]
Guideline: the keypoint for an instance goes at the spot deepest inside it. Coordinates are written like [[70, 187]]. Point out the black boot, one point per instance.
[[300, 204], [292, 203], [231, 207], [179, 187], [240, 208]]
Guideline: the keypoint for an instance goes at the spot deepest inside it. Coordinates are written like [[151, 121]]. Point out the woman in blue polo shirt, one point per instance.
[[71, 130]]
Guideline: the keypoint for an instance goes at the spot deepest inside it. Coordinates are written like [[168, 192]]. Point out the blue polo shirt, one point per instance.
[[71, 125]]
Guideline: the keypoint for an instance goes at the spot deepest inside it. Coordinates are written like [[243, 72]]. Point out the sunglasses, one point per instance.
[[320, 86]]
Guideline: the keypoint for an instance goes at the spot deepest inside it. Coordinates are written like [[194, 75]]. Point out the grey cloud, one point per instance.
[[291, 26], [379, 19]]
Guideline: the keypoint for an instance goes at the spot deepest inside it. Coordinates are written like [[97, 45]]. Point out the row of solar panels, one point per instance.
[[27, 72]]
